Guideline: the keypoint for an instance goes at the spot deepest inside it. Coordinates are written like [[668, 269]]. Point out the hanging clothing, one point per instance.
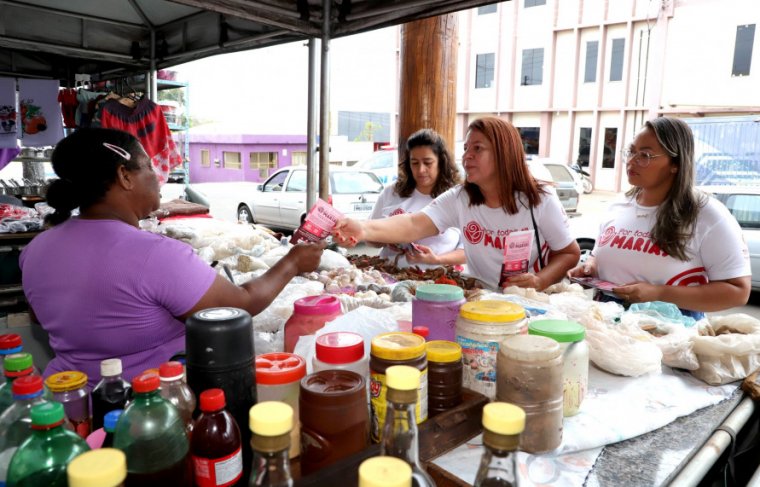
[[67, 97], [41, 121], [146, 122], [8, 114]]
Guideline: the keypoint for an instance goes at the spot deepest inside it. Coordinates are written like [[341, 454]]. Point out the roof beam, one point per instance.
[[47, 47], [76, 15]]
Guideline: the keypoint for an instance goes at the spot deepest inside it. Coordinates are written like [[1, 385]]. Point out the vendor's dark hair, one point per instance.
[[87, 167], [448, 175]]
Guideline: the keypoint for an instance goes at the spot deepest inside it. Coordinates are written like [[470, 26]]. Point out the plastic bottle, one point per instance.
[[15, 422], [152, 434], [109, 426], [42, 458], [215, 446], [175, 390], [9, 343], [105, 467], [112, 392], [310, 313], [270, 424], [341, 350], [400, 435], [385, 472], [15, 365], [502, 425]]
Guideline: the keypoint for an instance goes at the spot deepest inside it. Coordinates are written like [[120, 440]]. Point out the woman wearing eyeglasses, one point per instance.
[[667, 241]]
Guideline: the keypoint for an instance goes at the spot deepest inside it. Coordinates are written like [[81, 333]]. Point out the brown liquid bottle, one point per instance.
[[216, 445]]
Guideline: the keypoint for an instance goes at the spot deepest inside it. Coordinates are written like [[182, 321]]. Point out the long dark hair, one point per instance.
[[511, 167], [448, 175], [87, 167]]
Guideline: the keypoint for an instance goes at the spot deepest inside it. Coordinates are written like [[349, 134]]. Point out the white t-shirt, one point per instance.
[[391, 204], [625, 253], [485, 229]]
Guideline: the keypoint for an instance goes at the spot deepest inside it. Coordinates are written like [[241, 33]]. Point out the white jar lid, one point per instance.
[[530, 348], [110, 367]]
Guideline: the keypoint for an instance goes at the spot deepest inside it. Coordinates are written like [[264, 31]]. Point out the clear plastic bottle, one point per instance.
[[270, 423], [109, 426], [153, 436], [104, 467], [175, 390], [400, 434], [112, 392], [216, 443], [43, 457], [385, 472], [502, 425], [9, 343], [15, 422], [15, 365]]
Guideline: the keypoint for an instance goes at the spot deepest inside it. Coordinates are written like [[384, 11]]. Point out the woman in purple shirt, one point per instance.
[[103, 288]]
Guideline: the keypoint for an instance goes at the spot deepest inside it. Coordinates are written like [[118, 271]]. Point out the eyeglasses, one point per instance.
[[642, 159]]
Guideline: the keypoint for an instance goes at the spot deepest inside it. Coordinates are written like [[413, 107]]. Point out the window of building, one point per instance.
[[298, 158], [263, 161], [532, 66], [205, 158], [745, 38], [610, 144], [534, 3], [530, 137], [616, 64], [232, 160], [487, 9], [592, 54], [584, 146], [484, 70]]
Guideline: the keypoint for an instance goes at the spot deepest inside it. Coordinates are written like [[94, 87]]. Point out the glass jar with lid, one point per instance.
[[70, 388]]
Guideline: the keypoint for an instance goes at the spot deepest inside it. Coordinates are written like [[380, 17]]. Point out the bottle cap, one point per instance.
[[279, 368], [171, 371], [421, 330], [339, 347], [103, 467], [443, 351], [503, 418], [212, 400], [317, 305], [530, 348], [270, 418], [145, 383], [26, 385], [402, 378], [66, 381], [492, 311], [439, 292], [561, 330], [110, 420], [110, 367], [9, 341], [16, 362], [47, 413], [385, 472], [398, 345]]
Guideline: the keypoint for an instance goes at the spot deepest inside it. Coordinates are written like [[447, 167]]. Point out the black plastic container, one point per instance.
[[219, 354]]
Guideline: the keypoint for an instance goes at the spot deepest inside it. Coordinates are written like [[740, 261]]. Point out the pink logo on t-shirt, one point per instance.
[[397, 211], [608, 234], [692, 277], [473, 232]]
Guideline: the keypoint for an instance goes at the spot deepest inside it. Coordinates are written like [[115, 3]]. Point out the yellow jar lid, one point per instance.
[[397, 345], [503, 418], [402, 378], [385, 472], [270, 418], [492, 311], [66, 381], [104, 467], [443, 351]]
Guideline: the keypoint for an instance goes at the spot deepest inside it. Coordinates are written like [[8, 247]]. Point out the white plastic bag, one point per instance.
[[732, 354]]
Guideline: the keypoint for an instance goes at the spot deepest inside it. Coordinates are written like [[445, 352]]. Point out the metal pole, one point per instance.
[[152, 79], [311, 128], [324, 106]]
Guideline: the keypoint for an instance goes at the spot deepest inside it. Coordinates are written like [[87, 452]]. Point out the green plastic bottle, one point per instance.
[[14, 365], [42, 459]]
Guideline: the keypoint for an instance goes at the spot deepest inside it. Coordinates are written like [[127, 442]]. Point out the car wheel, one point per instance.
[[587, 186], [586, 247], [245, 214]]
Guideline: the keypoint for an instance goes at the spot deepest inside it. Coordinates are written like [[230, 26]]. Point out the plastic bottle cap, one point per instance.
[[398, 345], [110, 367], [279, 368], [47, 413], [317, 305], [561, 330], [270, 418], [439, 292], [443, 351], [385, 472], [66, 381], [530, 348], [17, 362], [339, 347], [402, 378], [212, 400], [421, 330], [104, 467], [503, 418], [145, 383], [26, 385], [492, 311], [110, 420], [10, 340], [171, 370]]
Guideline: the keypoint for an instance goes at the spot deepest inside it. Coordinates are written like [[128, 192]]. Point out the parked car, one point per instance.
[[384, 163], [565, 182], [178, 175], [280, 202]]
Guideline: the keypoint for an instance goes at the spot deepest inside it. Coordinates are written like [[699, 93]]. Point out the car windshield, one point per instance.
[[345, 182], [745, 208], [559, 173], [378, 160]]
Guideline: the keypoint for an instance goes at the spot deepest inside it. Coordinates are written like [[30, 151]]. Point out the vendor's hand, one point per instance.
[[526, 280], [586, 269], [306, 256], [637, 292], [423, 255], [348, 232]]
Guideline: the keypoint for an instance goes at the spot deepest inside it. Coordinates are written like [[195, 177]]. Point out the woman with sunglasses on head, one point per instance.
[[102, 287], [667, 241], [499, 197]]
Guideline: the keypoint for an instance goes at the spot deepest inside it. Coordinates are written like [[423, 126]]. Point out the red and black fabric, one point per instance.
[[68, 100]]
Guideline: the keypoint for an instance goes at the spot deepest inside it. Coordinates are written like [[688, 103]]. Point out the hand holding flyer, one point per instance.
[[595, 283], [517, 247], [318, 223]]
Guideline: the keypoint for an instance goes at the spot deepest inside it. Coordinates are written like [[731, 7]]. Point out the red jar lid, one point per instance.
[[340, 347], [145, 383], [279, 368], [26, 385], [212, 400], [317, 305], [171, 370], [421, 330], [10, 340]]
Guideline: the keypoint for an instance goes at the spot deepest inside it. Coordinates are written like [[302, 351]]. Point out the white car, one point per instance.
[[384, 163], [564, 181], [280, 202]]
